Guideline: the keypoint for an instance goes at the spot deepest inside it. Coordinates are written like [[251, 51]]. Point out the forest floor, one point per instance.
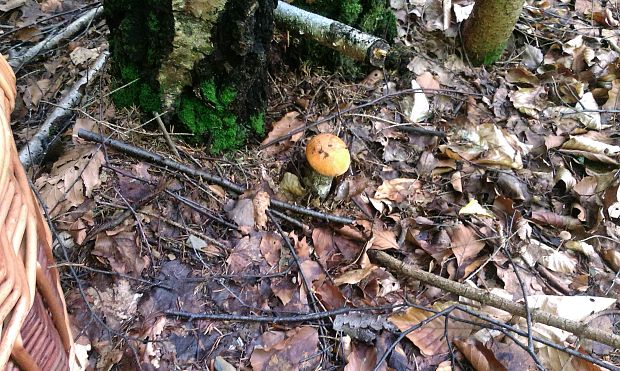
[[503, 178]]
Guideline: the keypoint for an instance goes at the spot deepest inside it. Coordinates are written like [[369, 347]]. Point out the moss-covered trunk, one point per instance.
[[203, 59], [488, 28]]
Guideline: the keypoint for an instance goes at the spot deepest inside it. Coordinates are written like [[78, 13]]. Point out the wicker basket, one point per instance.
[[35, 332]]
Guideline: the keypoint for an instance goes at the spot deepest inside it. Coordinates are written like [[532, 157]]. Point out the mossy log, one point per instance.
[[206, 60], [349, 41], [488, 28], [372, 17]]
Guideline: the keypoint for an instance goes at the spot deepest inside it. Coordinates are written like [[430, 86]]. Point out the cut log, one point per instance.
[[335, 35]]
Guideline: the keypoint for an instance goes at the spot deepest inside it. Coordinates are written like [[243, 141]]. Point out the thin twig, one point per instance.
[[233, 187], [354, 108], [163, 129]]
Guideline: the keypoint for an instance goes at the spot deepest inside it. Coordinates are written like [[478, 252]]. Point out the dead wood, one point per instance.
[[484, 297]]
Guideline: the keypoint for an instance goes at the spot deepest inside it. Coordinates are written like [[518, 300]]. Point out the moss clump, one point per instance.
[[492, 57], [378, 19], [140, 35], [257, 124], [209, 115], [131, 91]]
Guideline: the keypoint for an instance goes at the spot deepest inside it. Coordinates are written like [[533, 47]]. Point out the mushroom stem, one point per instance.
[[319, 184]]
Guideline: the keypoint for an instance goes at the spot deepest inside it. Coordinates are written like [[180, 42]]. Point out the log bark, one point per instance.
[[205, 60], [347, 40]]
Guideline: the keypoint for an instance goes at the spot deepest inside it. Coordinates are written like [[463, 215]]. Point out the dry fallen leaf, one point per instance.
[[481, 357], [261, 202], [465, 244], [431, 337], [81, 55], [290, 350], [382, 239], [354, 276], [285, 125], [398, 190], [474, 208], [121, 249]]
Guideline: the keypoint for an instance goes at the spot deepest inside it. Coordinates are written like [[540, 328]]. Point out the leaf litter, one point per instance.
[[524, 177]]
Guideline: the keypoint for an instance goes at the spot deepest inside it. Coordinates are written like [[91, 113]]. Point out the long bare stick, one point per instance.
[[579, 329], [236, 188]]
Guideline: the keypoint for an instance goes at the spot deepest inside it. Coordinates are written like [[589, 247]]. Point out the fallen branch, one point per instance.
[[34, 150], [274, 319], [52, 42], [233, 187], [484, 297], [333, 34]]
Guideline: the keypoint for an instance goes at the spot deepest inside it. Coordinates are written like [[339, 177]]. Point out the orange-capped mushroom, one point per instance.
[[328, 157]]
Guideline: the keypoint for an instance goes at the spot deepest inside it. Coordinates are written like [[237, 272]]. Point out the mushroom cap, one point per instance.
[[328, 155]]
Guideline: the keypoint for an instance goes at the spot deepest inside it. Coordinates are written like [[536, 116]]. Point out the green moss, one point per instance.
[[378, 19], [131, 91], [349, 11], [210, 116], [494, 56], [140, 35], [257, 123]]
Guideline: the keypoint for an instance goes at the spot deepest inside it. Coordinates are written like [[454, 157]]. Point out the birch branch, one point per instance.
[[34, 150], [333, 34], [51, 42]]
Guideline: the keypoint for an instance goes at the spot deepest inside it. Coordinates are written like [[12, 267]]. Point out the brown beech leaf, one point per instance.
[[243, 215], [431, 337], [286, 124], [398, 190], [363, 358], [120, 247], [329, 294], [261, 203], [554, 359], [270, 247], [552, 219], [291, 350], [465, 244], [383, 239], [481, 357], [612, 257], [354, 276]]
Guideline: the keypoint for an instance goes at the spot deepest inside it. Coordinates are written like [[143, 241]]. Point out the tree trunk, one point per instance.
[[488, 28], [204, 59]]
